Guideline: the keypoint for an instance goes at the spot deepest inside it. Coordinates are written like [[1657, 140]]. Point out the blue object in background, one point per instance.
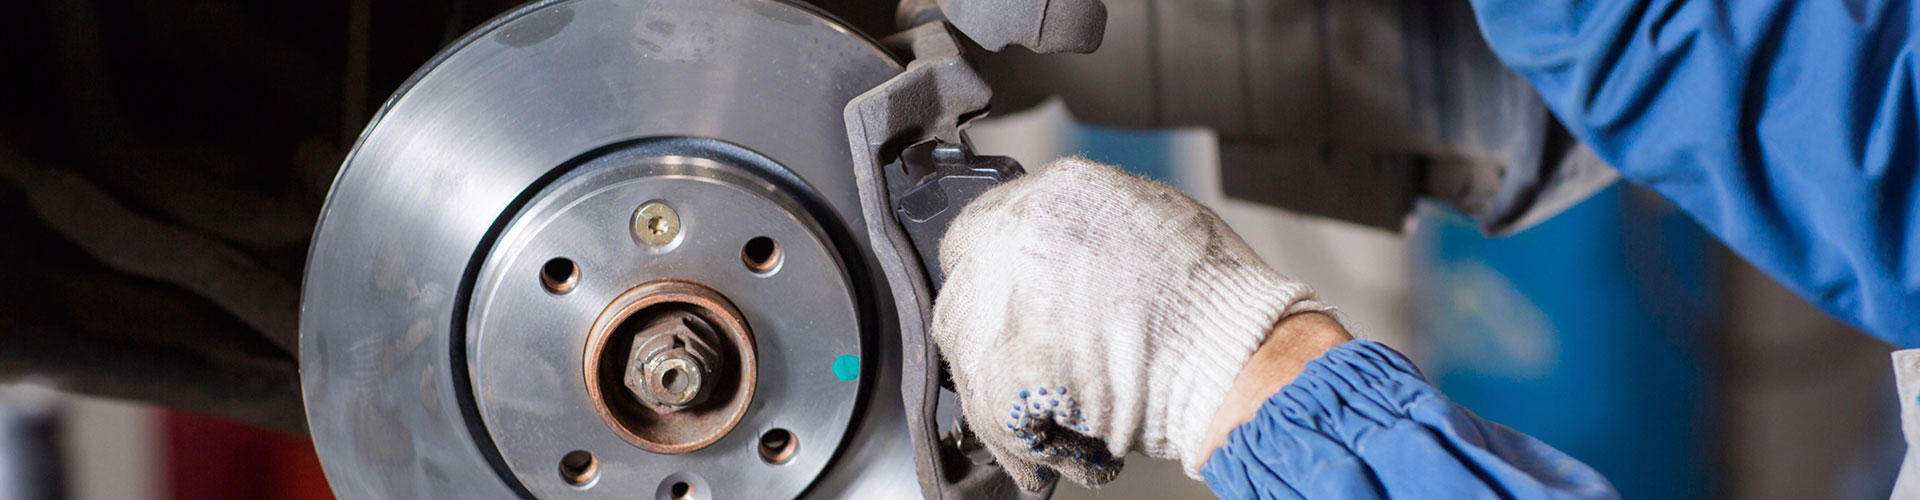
[[1590, 332], [1148, 153]]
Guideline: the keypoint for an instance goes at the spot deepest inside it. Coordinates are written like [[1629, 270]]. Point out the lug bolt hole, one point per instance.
[[761, 255], [777, 446], [579, 468], [681, 491], [559, 275]]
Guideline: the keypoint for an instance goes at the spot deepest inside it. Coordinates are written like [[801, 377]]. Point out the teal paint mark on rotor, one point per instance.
[[846, 367]]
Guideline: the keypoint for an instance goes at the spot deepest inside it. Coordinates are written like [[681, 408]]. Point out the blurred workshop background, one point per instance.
[[1616, 331]]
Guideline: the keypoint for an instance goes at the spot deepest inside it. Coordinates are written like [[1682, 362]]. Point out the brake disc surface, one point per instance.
[[585, 201]]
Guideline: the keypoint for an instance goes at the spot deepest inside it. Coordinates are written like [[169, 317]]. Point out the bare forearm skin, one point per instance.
[[1292, 343]]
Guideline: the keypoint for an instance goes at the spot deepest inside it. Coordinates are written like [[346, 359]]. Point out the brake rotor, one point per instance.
[[604, 249]]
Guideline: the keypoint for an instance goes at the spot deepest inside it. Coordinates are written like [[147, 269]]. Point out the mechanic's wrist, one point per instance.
[[1294, 341], [1232, 312]]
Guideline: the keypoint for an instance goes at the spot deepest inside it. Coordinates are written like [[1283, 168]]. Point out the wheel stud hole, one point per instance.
[[761, 255], [777, 446], [559, 275], [681, 491], [579, 468]]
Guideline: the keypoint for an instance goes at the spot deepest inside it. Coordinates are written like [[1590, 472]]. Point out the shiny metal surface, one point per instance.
[[527, 344], [500, 114]]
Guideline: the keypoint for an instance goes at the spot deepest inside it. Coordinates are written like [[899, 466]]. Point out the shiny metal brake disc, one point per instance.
[[604, 249]]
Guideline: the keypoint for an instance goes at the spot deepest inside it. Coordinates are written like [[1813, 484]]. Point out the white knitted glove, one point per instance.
[[1088, 313]]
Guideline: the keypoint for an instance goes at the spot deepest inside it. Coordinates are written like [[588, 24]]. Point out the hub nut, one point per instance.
[[673, 363]]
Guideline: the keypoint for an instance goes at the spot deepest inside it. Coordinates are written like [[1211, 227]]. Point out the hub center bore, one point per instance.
[[670, 366]]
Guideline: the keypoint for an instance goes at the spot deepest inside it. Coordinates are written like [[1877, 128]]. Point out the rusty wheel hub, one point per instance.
[[670, 366]]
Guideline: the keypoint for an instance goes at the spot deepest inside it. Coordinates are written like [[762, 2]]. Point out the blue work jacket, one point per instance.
[[1787, 129]]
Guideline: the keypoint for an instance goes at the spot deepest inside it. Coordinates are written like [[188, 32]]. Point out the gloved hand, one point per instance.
[[1088, 313]]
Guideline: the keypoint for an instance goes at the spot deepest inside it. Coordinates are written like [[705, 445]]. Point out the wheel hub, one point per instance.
[[689, 308]]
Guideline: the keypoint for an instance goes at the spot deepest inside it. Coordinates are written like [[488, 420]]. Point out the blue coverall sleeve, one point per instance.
[[1786, 128], [1361, 422]]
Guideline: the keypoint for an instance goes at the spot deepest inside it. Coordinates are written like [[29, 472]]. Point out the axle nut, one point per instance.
[[672, 363]]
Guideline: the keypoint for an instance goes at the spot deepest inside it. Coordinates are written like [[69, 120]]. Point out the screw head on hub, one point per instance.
[[656, 224]]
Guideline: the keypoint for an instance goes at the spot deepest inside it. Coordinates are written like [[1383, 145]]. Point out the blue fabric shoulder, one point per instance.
[[1361, 422], [1786, 128]]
